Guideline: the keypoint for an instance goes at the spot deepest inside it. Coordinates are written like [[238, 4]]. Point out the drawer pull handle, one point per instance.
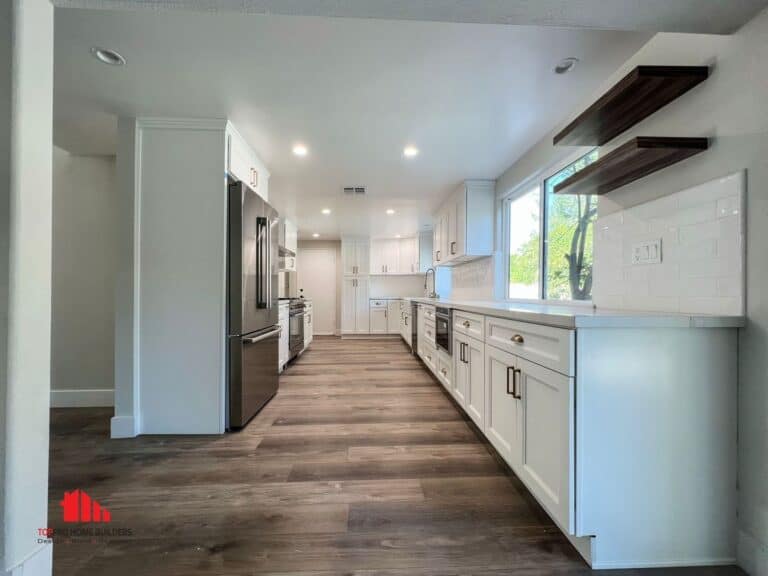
[[517, 339], [466, 324]]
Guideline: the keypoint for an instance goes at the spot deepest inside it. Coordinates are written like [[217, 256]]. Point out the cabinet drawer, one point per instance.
[[429, 313], [445, 369], [429, 332], [378, 303], [469, 324], [544, 345], [429, 356]]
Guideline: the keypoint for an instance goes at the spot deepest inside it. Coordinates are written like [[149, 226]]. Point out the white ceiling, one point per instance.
[[701, 16], [472, 97]]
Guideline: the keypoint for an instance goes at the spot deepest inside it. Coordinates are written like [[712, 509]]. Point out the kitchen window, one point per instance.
[[549, 238]]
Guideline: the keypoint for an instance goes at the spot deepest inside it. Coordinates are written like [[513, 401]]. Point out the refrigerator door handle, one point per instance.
[[263, 336]]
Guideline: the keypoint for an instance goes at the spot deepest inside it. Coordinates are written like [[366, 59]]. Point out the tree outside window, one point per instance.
[[567, 247]]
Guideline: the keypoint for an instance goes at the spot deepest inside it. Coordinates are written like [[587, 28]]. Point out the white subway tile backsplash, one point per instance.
[[702, 267]]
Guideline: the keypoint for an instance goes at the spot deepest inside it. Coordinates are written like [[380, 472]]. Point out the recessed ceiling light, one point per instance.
[[326, 211], [107, 56], [410, 151], [300, 150], [566, 65], [397, 235], [315, 235], [390, 211]]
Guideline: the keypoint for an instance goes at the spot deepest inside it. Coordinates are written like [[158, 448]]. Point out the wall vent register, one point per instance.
[[354, 190]]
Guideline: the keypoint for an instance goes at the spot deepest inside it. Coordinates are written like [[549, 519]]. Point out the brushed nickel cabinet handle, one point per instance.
[[453, 247], [517, 339]]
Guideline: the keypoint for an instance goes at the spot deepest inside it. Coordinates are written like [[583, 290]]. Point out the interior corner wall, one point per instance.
[[729, 107], [26, 122], [84, 265]]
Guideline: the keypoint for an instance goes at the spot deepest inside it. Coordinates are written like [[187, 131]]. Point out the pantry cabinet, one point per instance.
[[464, 224], [355, 315]]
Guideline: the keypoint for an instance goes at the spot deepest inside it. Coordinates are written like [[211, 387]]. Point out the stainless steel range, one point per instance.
[[295, 327]]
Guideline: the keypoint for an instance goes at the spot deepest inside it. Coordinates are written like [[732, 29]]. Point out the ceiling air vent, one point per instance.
[[354, 190]]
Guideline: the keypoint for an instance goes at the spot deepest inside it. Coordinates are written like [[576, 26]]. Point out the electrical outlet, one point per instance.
[[648, 252]]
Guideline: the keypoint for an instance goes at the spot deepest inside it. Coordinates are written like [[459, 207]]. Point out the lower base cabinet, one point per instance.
[[469, 376], [546, 461], [502, 415], [445, 369]]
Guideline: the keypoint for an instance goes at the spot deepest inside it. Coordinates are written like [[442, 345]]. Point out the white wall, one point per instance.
[[84, 256], [396, 286], [729, 107], [26, 99]]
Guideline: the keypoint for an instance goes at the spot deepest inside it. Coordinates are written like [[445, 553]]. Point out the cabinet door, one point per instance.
[[362, 304], [445, 369], [349, 305], [460, 369], [502, 424], [377, 257], [457, 245], [392, 256], [437, 238], [349, 257], [547, 409], [450, 230], [393, 317], [426, 241], [378, 320], [362, 257], [474, 356]]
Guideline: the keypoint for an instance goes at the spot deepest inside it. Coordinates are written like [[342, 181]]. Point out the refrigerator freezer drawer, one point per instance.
[[253, 374]]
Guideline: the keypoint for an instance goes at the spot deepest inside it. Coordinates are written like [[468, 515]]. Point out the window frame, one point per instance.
[[538, 178]]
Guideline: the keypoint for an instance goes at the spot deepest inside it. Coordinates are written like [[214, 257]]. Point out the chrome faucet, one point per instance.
[[431, 294]]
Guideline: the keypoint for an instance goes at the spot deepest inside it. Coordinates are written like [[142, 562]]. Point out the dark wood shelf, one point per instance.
[[629, 162], [635, 97]]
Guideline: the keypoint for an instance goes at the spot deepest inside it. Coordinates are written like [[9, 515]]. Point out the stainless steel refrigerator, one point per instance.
[[253, 332]]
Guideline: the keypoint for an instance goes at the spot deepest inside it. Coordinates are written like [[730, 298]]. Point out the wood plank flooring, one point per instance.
[[361, 465]]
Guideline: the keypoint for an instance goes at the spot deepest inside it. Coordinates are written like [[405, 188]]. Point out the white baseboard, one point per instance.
[[752, 555], [82, 398], [123, 427], [38, 563]]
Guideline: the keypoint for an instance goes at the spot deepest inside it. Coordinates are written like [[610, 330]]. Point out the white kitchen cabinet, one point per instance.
[[308, 324], [355, 314], [445, 369], [355, 256], [546, 463], [440, 237], [503, 424], [408, 261], [244, 165], [283, 350], [291, 239], [378, 315], [464, 224], [385, 255], [469, 376], [425, 251]]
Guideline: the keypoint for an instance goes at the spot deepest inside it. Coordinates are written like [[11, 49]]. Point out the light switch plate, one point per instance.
[[647, 252]]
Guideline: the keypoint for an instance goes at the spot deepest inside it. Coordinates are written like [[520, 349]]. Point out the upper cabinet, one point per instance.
[[355, 256], [392, 256], [244, 165], [464, 224], [425, 251]]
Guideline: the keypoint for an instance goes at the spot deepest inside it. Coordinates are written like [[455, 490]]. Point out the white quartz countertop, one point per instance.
[[579, 316]]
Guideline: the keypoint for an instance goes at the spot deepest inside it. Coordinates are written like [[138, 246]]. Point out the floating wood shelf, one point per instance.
[[635, 97], [629, 162]]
